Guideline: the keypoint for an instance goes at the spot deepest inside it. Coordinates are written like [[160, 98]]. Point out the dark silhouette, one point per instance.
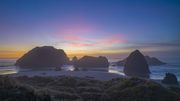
[[41, 57], [170, 78], [74, 59], [136, 65], [152, 61], [69, 88], [92, 62]]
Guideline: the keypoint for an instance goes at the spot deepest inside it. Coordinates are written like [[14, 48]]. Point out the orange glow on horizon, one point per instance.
[[70, 54], [11, 54]]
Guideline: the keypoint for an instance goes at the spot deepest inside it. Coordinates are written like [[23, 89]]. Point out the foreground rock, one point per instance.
[[43, 57], [136, 65], [170, 78], [63, 88], [92, 62], [152, 61]]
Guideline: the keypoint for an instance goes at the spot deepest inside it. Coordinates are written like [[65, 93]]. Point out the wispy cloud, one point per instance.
[[77, 40]]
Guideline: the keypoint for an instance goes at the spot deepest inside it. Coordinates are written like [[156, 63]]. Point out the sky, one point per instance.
[[112, 28]]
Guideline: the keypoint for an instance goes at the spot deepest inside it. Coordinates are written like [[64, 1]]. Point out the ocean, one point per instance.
[[157, 72]]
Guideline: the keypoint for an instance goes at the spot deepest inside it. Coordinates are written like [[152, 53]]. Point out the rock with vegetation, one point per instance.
[[11, 90], [92, 62], [136, 65], [64, 88], [138, 90], [43, 57], [170, 78]]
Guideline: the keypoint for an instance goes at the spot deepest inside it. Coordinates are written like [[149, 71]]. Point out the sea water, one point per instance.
[[157, 72]]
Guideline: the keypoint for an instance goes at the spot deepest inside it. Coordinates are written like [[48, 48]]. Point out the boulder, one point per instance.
[[43, 57], [92, 62], [170, 78], [136, 65]]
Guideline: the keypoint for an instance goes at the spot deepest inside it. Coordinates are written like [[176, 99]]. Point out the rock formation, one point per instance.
[[152, 61], [136, 65], [92, 62], [43, 57], [74, 59], [170, 78]]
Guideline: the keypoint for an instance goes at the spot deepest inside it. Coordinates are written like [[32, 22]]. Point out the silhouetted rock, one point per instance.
[[74, 59], [92, 62], [43, 57], [152, 61], [170, 78], [136, 65], [121, 63]]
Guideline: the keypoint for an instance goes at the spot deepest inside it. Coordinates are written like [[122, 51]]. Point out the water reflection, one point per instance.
[[157, 72], [68, 68], [8, 70]]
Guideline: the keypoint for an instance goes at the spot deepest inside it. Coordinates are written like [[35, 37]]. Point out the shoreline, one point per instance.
[[98, 75]]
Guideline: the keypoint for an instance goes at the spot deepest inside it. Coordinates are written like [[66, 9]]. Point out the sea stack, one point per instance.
[[153, 61], [92, 62], [136, 65], [74, 60], [43, 57]]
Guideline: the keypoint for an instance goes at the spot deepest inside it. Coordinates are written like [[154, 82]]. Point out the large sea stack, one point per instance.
[[43, 57], [136, 65], [92, 62]]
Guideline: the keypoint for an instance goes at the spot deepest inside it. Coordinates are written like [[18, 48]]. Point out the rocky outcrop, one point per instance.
[[74, 59], [152, 61], [170, 78], [92, 62], [43, 57], [136, 65]]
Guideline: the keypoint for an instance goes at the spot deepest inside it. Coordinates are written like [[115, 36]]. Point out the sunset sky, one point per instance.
[[91, 27]]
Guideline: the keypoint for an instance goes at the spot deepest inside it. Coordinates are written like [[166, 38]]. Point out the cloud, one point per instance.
[[77, 44], [74, 40], [72, 37]]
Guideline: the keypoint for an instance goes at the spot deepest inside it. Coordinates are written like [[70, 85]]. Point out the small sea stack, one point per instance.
[[154, 61], [170, 78], [43, 57], [74, 60], [92, 62], [136, 65]]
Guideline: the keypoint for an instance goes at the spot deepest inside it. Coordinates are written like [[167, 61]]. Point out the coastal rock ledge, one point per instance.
[[43, 57], [136, 65]]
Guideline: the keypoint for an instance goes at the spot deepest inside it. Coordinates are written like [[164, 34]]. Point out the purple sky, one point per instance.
[[105, 27]]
